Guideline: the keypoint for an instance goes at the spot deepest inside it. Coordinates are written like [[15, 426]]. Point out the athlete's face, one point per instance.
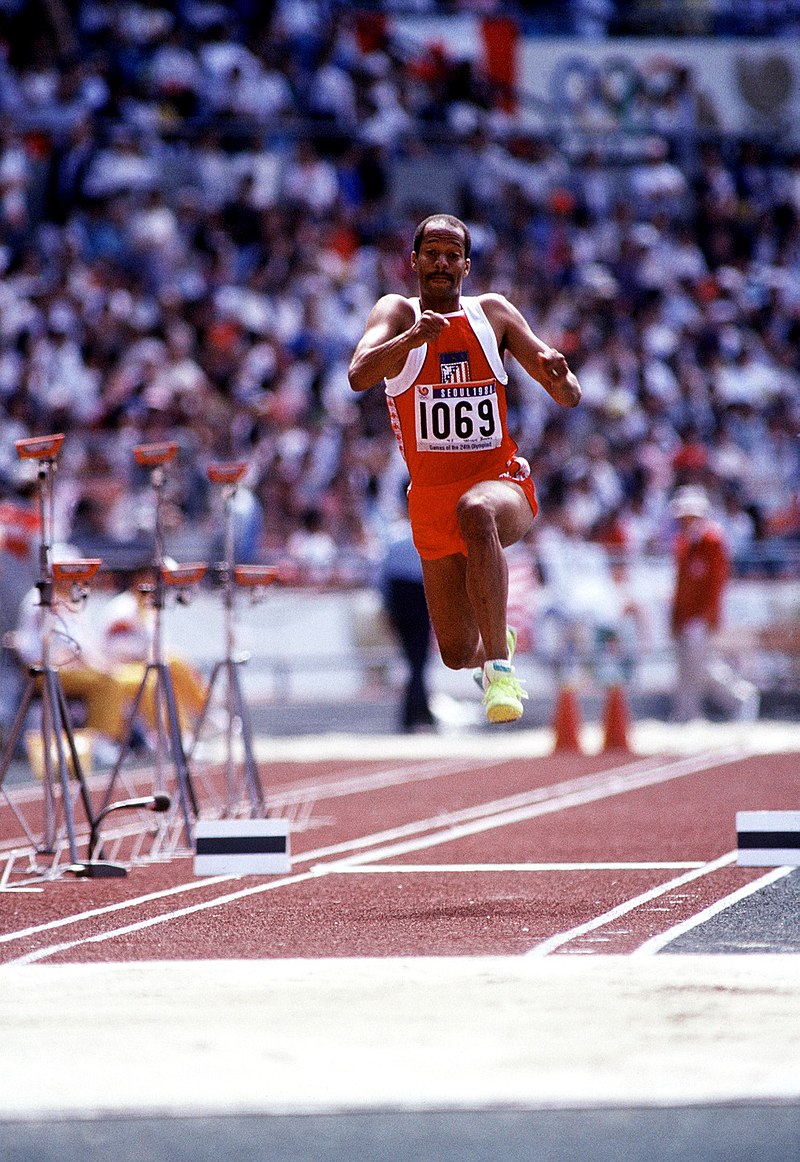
[[440, 264]]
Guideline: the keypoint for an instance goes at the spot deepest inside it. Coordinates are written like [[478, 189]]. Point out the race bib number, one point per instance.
[[457, 417]]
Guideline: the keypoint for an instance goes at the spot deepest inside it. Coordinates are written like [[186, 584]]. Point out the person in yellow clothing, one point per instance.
[[127, 639], [75, 650], [101, 663]]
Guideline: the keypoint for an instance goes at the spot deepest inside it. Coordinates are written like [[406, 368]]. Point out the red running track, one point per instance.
[[447, 856]]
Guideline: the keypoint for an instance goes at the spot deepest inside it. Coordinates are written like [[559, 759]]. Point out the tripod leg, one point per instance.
[[17, 725], [198, 730], [49, 731], [31, 688], [185, 789], [125, 745], [230, 730], [251, 770], [61, 727], [76, 762], [218, 669]]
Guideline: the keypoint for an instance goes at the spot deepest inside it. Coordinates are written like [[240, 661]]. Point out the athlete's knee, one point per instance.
[[458, 651], [456, 657], [476, 516]]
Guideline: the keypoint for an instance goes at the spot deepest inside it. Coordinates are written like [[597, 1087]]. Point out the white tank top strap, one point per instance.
[[486, 336], [413, 364]]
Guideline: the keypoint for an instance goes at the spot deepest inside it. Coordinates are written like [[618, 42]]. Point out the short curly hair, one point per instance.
[[448, 220]]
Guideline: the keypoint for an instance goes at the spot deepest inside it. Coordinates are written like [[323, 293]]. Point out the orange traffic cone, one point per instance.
[[616, 720], [567, 721]]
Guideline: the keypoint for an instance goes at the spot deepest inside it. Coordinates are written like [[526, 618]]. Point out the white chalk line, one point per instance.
[[557, 941], [141, 925], [502, 868], [608, 783], [357, 844], [343, 785], [108, 909], [656, 943], [573, 793], [482, 810], [292, 795]]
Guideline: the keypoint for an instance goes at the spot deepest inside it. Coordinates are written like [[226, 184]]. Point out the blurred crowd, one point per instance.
[[199, 204]]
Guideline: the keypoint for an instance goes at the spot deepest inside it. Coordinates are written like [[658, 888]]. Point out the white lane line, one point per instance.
[[561, 938], [656, 943], [350, 785], [589, 790], [609, 783], [359, 843], [413, 868], [295, 794], [317, 871], [107, 909], [482, 810], [344, 783], [141, 925], [290, 795], [360, 782]]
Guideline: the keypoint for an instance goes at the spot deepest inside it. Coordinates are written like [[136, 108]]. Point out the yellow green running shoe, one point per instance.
[[511, 642], [504, 694]]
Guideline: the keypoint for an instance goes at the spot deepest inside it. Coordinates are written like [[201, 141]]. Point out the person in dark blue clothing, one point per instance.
[[404, 601]]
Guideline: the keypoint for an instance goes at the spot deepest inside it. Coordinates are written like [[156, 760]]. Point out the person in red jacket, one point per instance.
[[440, 359], [702, 568]]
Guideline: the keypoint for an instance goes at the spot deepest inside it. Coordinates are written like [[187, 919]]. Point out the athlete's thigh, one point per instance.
[[512, 510], [449, 606]]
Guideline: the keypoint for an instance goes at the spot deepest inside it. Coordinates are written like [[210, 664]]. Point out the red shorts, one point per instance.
[[432, 511]]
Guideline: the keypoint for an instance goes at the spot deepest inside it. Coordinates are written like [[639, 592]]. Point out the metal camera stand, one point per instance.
[[168, 736], [60, 758], [237, 723]]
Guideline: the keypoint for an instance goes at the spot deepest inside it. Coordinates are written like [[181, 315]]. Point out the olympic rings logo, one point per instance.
[[578, 84]]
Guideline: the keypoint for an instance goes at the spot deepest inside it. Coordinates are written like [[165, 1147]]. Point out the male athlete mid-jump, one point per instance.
[[440, 357]]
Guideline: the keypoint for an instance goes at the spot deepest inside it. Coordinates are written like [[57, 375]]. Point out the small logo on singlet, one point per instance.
[[454, 366]]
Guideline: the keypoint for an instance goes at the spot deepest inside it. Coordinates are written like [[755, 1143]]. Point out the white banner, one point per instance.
[[743, 85]]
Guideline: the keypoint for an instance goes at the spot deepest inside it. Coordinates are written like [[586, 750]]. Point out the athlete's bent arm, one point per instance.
[[547, 365], [391, 333]]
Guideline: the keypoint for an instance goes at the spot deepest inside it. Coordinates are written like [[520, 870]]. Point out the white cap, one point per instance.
[[690, 501]]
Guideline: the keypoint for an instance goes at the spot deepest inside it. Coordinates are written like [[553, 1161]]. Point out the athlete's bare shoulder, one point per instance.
[[393, 308], [495, 305], [502, 316]]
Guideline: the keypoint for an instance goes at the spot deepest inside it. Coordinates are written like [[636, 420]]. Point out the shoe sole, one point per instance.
[[496, 714]]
